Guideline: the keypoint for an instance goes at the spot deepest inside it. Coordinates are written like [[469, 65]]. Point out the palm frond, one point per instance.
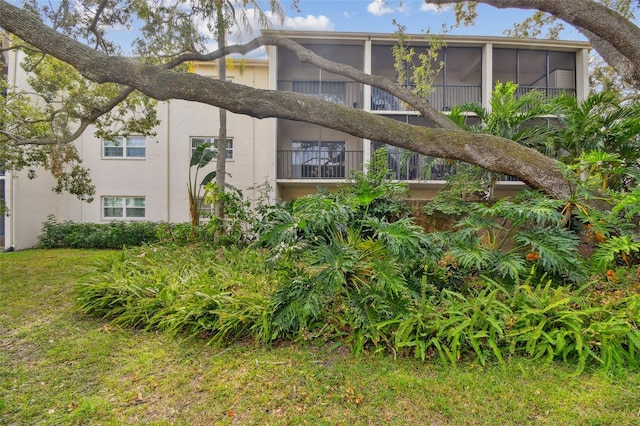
[[511, 265], [613, 249]]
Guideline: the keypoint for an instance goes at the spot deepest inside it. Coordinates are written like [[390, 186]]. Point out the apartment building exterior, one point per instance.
[[140, 178], [308, 156], [145, 178]]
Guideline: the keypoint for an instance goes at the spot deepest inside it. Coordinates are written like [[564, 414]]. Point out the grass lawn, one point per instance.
[[59, 367]]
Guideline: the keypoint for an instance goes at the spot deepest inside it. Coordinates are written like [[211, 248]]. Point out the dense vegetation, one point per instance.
[[56, 234], [510, 279]]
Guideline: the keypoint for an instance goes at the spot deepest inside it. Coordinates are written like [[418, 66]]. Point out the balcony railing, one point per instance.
[[318, 165], [443, 98], [548, 92], [409, 166], [404, 166], [341, 92]]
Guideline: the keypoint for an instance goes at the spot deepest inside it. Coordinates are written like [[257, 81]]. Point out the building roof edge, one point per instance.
[[449, 38]]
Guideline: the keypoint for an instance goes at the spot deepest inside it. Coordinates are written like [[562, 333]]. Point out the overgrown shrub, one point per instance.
[[227, 294], [541, 321], [96, 235], [352, 259], [221, 295], [505, 239]]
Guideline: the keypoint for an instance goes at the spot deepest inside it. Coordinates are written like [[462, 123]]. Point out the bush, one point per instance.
[[112, 235], [229, 294], [541, 321], [221, 295], [353, 267]]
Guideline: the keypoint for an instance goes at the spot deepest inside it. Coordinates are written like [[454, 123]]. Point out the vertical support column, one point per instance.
[[547, 70], [487, 75], [582, 74], [366, 102], [272, 134], [4, 202], [10, 204], [167, 125]]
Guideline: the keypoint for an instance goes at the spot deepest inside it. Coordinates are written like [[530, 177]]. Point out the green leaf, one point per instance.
[[201, 156], [208, 178]]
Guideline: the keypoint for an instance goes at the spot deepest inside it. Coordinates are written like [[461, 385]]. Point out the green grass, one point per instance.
[[59, 367]]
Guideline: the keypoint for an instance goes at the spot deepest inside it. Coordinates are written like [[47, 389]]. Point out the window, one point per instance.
[[197, 141], [123, 207], [124, 147], [205, 209], [535, 69]]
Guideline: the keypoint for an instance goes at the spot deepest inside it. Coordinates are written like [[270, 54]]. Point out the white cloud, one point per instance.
[[379, 8], [308, 23], [434, 8]]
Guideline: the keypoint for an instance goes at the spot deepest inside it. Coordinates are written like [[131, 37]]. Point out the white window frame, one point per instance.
[[199, 140], [127, 206], [125, 143], [205, 210]]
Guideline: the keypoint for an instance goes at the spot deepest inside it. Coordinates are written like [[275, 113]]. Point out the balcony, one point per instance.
[[442, 97], [404, 166], [407, 166], [318, 165], [341, 92]]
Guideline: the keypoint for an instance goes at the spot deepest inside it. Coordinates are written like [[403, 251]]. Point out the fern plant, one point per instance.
[[220, 295]]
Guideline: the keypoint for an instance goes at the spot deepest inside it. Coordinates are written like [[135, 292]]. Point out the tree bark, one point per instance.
[[490, 152], [221, 160], [616, 38]]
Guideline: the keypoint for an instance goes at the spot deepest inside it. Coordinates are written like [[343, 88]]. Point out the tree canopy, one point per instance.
[[79, 40]]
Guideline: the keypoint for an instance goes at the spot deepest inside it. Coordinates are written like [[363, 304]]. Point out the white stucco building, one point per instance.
[[146, 178]]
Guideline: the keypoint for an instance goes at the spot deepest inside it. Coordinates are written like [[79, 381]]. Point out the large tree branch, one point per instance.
[[615, 35], [493, 153], [618, 61], [85, 122], [307, 56]]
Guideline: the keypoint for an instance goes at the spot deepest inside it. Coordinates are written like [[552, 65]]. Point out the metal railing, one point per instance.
[[404, 166], [318, 165], [407, 166], [548, 92], [442, 97], [341, 92]]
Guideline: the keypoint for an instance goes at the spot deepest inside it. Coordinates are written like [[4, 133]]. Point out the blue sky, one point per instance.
[[372, 16], [378, 15]]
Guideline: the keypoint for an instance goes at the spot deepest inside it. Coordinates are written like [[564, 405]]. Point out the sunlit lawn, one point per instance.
[[59, 367]]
